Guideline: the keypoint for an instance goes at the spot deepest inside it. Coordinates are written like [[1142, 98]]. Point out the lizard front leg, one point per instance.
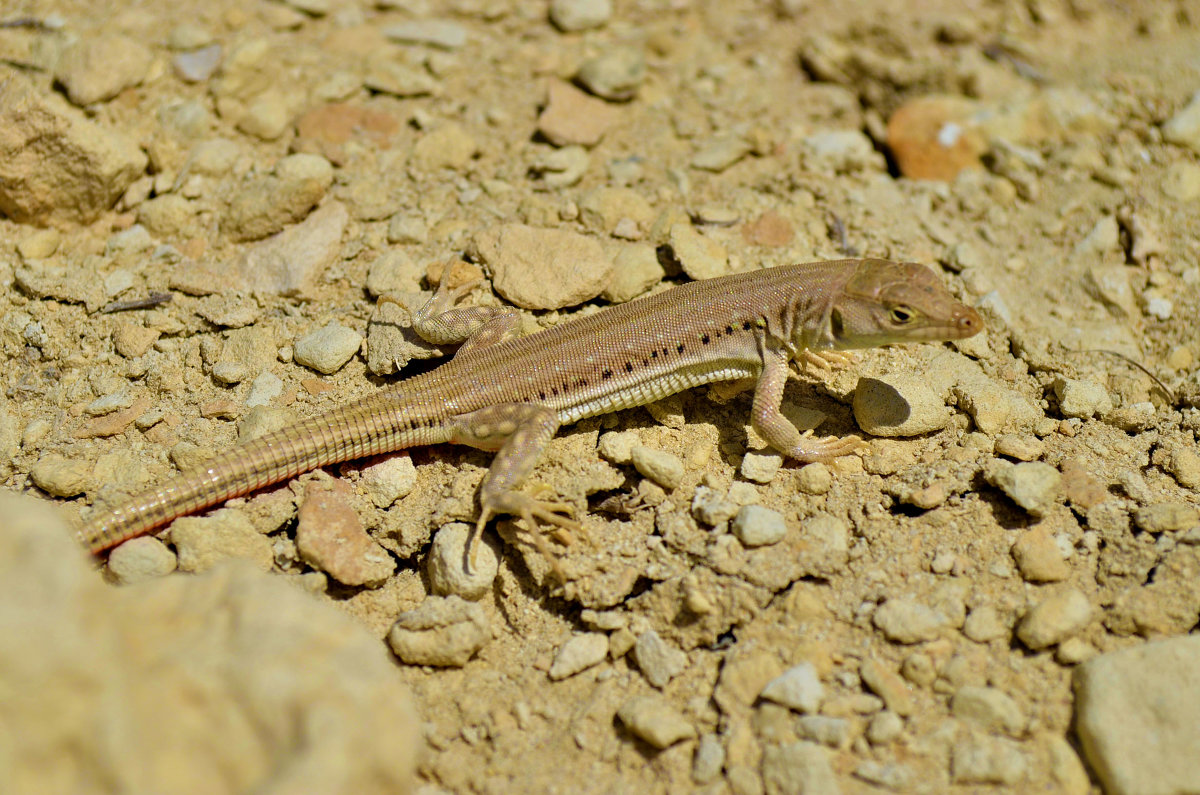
[[519, 432], [776, 429]]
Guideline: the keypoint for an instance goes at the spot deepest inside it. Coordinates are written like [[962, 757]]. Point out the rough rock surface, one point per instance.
[[237, 678]]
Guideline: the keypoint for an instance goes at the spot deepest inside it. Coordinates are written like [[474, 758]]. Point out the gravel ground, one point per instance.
[[200, 204]]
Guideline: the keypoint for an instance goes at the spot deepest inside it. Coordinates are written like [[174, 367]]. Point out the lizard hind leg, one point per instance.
[[519, 432]]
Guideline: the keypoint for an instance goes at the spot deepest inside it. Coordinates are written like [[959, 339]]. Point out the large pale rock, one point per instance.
[[233, 681]]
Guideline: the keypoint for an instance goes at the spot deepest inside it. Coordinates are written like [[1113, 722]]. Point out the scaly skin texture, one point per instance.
[[510, 394]]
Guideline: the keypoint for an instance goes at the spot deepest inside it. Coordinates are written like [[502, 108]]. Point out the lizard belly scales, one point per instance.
[[511, 395]]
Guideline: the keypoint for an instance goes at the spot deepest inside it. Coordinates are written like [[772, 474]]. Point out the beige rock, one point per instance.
[[1126, 697], [1038, 557], [204, 541], [899, 405], [55, 164], [538, 268], [1054, 619], [201, 671], [572, 117], [97, 68], [448, 146], [267, 205]]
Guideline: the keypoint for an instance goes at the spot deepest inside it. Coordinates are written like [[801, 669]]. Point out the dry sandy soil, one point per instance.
[[1002, 595]]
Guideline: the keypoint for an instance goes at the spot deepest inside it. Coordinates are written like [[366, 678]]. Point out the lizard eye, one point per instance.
[[901, 315]]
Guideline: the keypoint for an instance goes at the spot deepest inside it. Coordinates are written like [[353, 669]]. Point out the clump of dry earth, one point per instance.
[[199, 203]]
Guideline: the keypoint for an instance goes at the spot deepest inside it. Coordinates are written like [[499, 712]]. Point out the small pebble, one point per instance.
[[230, 373], [899, 405], [798, 767], [617, 446], [1184, 127], [330, 537], [40, 244], [1039, 558], [573, 117], [188, 36], [442, 631], [1182, 182], [841, 152], [407, 229], [1073, 651], [60, 476], [708, 759], [799, 688], [654, 720], [1185, 466], [700, 256], [987, 760], [267, 116], [1033, 485], [1055, 619], [1022, 448], [760, 467], [636, 269], [984, 624], [756, 526], [265, 387], [892, 776], [936, 137], [815, 479], [435, 32], [389, 480], [99, 67], [1082, 399], [399, 80], [571, 16], [834, 732], [141, 559], [711, 507], [615, 74], [1167, 517], [538, 268], [579, 653], [327, 349], [721, 153], [201, 542], [884, 727], [989, 708], [658, 661], [662, 467], [447, 146], [562, 168], [887, 684], [196, 66], [447, 564], [906, 621]]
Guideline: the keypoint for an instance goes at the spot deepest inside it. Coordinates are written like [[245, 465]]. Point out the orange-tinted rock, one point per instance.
[[769, 229], [935, 137]]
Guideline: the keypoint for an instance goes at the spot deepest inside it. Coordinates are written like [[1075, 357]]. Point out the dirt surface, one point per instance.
[[931, 597]]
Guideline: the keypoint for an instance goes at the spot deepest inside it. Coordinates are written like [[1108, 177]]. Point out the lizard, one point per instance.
[[509, 393]]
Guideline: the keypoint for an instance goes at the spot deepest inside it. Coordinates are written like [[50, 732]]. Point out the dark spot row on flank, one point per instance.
[[706, 338]]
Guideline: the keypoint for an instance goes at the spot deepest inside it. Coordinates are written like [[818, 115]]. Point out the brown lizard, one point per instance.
[[510, 394]]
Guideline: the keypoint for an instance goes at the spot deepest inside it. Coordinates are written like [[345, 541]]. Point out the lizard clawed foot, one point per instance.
[[828, 360], [826, 448], [535, 514]]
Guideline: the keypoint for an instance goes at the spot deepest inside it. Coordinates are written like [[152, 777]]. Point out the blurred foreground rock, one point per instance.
[[233, 681]]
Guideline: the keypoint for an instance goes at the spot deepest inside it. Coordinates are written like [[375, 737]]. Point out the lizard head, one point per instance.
[[886, 302]]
